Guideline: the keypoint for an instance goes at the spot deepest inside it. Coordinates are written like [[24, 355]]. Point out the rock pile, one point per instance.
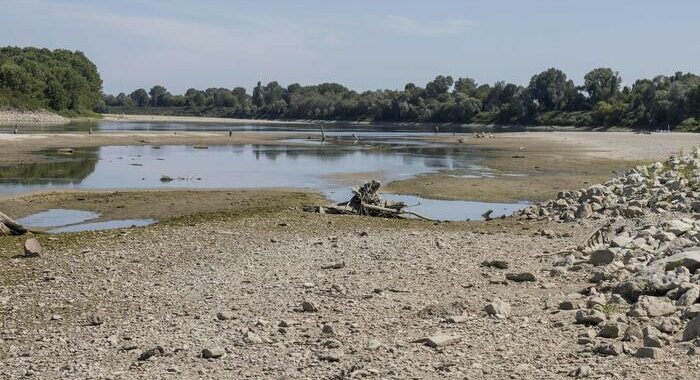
[[673, 185], [647, 288]]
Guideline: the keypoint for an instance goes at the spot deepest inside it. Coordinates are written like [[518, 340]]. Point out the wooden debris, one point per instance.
[[366, 201], [10, 227]]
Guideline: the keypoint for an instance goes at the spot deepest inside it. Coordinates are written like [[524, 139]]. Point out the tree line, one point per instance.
[[59, 80], [551, 98]]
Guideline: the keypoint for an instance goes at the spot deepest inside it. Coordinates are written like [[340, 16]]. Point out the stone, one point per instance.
[[225, 315], [582, 371], [666, 326], [608, 349], [498, 309], [653, 341], [590, 317], [152, 352], [442, 340], [633, 333], [32, 248], [330, 356], [621, 241], [456, 319], [648, 306], [252, 338], [692, 311], [677, 227], [373, 344], [584, 211], [308, 306], [692, 329], [649, 353], [499, 264], [521, 277], [602, 257], [690, 297], [611, 330], [95, 319], [328, 329], [689, 259], [212, 353]]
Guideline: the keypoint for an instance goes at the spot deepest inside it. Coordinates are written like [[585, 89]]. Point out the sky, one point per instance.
[[363, 44]]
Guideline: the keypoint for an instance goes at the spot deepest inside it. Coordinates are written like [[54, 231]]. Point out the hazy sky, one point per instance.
[[364, 44]]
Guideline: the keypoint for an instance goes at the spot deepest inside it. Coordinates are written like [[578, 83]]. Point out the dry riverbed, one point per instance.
[[146, 302]]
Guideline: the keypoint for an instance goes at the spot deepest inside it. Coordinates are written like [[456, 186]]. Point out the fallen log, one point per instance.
[[9, 226]]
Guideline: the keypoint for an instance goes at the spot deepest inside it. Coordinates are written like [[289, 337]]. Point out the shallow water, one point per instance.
[[106, 225], [57, 218], [64, 220], [380, 153]]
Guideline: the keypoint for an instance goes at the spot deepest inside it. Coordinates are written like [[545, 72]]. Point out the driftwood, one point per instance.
[[366, 201], [10, 227], [599, 237]]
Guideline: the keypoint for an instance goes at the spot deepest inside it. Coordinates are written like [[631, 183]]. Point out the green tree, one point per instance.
[[140, 98], [602, 84]]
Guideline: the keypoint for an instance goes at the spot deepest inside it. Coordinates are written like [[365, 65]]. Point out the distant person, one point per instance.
[[16, 130], [230, 132], [436, 130]]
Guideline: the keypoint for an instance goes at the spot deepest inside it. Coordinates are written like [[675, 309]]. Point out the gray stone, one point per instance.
[[649, 353], [331, 356], [442, 340], [692, 329], [590, 317], [602, 257], [32, 248], [690, 297], [677, 227], [648, 306], [692, 311], [498, 309], [611, 330], [212, 353], [521, 277], [153, 352], [584, 211], [373, 344], [633, 333], [96, 319], [309, 306], [225, 315]]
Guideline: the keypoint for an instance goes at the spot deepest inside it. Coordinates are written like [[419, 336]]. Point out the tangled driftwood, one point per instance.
[[366, 201]]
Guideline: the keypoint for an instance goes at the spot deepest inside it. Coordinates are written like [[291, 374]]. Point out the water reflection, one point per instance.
[[231, 166], [62, 170]]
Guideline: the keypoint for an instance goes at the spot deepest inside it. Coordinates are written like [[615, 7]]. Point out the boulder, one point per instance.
[[648, 306]]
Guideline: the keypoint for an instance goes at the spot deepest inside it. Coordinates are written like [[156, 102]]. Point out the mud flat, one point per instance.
[[537, 165]]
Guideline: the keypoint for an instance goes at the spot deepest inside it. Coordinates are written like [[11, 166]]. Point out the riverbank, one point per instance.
[[41, 117], [537, 165]]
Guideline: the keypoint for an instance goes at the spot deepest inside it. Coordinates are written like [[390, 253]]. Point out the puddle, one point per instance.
[[63, 220], [57, 218], [441, 209], [106, 225]]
